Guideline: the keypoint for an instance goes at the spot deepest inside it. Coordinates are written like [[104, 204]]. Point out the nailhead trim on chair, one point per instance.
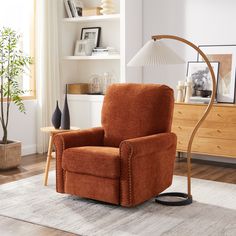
[[129, 173], [63, 171], [121, 198]]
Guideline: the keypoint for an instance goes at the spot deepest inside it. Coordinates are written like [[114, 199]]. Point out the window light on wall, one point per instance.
[[19, 15]]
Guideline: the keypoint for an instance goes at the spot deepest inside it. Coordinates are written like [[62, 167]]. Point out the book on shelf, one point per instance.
[[67, 7], [79, 7], [73, 8]]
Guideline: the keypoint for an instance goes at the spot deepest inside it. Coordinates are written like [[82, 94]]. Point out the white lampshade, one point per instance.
[[155, 53]]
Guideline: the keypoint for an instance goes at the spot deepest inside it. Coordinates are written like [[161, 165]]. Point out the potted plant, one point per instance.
[[13, 64]]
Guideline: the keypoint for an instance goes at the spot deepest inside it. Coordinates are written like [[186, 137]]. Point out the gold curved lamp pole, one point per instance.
[[188, 196]]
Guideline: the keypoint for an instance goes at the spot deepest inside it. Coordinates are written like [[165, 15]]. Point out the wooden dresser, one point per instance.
[[216, 136]]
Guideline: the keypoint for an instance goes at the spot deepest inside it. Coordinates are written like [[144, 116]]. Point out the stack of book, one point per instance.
[[100, 51], [73, 8]]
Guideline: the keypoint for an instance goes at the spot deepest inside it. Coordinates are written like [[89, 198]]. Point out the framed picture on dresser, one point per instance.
[[226, 56], [200, 75]]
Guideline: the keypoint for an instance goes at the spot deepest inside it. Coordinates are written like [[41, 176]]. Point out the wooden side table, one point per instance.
[[52, 131]]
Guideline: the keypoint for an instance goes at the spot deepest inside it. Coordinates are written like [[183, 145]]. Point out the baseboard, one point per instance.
[[212, 158], [28, 149], [215, 158]]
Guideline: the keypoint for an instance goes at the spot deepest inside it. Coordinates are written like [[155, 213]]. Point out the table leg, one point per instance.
[[49, 157]]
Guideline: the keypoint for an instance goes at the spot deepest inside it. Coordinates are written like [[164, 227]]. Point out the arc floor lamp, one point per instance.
[[155, 53]]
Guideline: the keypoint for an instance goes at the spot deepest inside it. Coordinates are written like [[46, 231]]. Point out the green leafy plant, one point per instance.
[[13, 64]]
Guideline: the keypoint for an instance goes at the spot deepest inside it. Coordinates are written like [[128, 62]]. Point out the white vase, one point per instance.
[[188, 93]]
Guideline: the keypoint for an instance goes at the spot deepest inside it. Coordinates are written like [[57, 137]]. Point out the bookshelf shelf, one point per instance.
[[92, 18], [108, 57]]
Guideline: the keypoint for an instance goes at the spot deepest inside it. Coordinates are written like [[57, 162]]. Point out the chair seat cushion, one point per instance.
[[91, 160]]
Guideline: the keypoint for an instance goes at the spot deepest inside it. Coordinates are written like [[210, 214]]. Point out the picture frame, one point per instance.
[[80, 48], [201, 77], [226, 56], [91, 33]]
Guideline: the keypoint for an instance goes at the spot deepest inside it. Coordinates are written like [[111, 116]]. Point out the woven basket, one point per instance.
[[10, 155]]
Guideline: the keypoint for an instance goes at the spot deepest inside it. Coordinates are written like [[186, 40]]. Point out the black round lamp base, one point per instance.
[[183, 199]]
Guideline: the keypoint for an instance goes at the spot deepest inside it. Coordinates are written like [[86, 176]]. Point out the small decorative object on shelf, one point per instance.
[[107, 81], [80, 48], [89, 47], [104, 51], [95, 86], [91, 33], [95, 11], [107, 7], [100, 51], [84, 47], [189, 90], [56, 117], [65, 119], [78, 88], [181, 91]]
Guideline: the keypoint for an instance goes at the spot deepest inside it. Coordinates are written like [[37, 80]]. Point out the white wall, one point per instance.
[[201, 21], [22, 127], [131, 38]]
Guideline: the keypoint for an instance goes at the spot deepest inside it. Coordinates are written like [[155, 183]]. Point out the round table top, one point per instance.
[[51, 129]]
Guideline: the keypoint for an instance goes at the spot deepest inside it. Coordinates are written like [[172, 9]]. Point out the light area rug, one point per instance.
[[212, 213]]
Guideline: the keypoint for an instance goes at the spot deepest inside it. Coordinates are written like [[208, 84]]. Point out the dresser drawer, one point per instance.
[[208, 129], [218, 147], [209, 146], [188, 112], [223, 114], [194, 113], [217, 134]]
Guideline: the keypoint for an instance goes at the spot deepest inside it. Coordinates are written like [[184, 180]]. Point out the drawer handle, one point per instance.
[[179, 127], [219, 115], [218, 131], [179, 112], [219, 147]]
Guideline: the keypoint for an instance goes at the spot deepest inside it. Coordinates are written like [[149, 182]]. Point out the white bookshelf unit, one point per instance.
[[122, 31]]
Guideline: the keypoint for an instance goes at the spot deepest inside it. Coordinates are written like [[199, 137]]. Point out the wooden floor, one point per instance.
[[209, 170], [35, 164]]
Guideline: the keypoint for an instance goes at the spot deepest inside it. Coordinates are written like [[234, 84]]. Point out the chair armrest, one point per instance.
[[78, 138], [62, 141], [147, 165]]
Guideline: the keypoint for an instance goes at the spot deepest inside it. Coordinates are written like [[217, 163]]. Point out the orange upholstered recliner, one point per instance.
[[128, 160]]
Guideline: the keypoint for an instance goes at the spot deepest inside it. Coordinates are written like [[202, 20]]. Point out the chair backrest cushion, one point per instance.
[[136, 110]]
